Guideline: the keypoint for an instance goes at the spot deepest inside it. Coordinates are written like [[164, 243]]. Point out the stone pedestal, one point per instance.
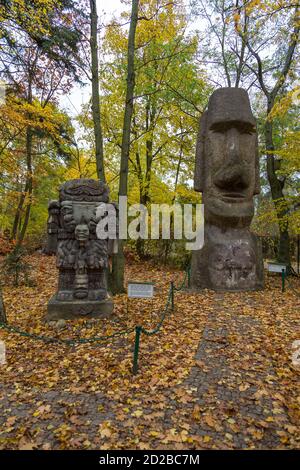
[[67, 310], [230, 260]]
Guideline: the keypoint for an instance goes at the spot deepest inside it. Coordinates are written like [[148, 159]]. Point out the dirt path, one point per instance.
[[237, 384]]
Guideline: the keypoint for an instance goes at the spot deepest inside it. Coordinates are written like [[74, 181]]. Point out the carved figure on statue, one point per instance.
[[81, 257]]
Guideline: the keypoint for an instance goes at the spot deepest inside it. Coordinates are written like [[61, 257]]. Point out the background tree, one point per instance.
[[30, 114], [52, 26], [96, 91], [118, 262], [255, 45]]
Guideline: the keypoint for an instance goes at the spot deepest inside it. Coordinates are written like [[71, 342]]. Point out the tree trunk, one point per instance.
[[29, 185], [118, 261], [168, 244], [146, 182], [129, 101], [276, 185], [118, 268], [95, 92], [17, 218], [277, 193]]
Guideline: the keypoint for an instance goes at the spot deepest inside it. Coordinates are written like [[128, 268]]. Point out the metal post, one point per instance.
[[189, 276], [138, 330], [172, 296], [298, 255], [283, 280]]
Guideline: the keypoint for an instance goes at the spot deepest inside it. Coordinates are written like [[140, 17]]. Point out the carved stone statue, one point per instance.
[[81, 258], [227, 174]]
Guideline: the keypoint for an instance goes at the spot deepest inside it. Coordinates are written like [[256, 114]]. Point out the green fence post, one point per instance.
[[189, 276], [172, 296], [138, 330], [282, 280]]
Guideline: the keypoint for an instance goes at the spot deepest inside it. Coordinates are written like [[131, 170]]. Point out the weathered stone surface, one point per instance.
[[68, 310], [227, 173], [81, 258]]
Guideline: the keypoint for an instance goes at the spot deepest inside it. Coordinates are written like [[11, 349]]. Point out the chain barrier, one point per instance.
[[285, 279], [187, 277], [68, 342], [101, 339], [140, 329]]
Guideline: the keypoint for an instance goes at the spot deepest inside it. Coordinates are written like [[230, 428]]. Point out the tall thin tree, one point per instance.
[[118, 259], [95, 91], [271, 93]]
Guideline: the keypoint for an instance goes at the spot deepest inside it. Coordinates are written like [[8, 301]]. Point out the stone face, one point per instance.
[[80, 257], [227, 173], [229, 260], [52, 228]]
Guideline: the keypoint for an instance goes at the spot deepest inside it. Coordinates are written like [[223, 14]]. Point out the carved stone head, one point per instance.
[[53, 211], [78, 201], [227, 169], [82, 232], [81, 258]]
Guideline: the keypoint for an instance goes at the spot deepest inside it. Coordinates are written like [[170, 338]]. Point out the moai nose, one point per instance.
[[232, 175], [232, 147]]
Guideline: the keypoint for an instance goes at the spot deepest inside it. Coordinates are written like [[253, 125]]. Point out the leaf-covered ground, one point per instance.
[[217, 376]]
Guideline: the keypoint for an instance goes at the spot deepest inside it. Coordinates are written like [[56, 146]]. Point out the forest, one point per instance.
[[142, 123], [114, 92]]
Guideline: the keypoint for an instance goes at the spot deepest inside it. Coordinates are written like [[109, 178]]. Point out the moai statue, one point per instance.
[[82, 259], [52, 228], [227, 174]]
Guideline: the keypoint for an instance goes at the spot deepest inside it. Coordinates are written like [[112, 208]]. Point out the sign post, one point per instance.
[[274, 267], [283, 279], [138, 290]]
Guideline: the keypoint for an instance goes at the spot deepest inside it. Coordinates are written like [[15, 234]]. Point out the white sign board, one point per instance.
[[140, 290], [276, 267]]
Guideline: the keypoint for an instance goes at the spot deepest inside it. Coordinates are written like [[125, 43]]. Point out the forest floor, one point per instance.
[[218, 375]]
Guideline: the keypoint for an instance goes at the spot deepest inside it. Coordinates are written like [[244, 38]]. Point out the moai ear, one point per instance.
[[200, 157], [257, 176]]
